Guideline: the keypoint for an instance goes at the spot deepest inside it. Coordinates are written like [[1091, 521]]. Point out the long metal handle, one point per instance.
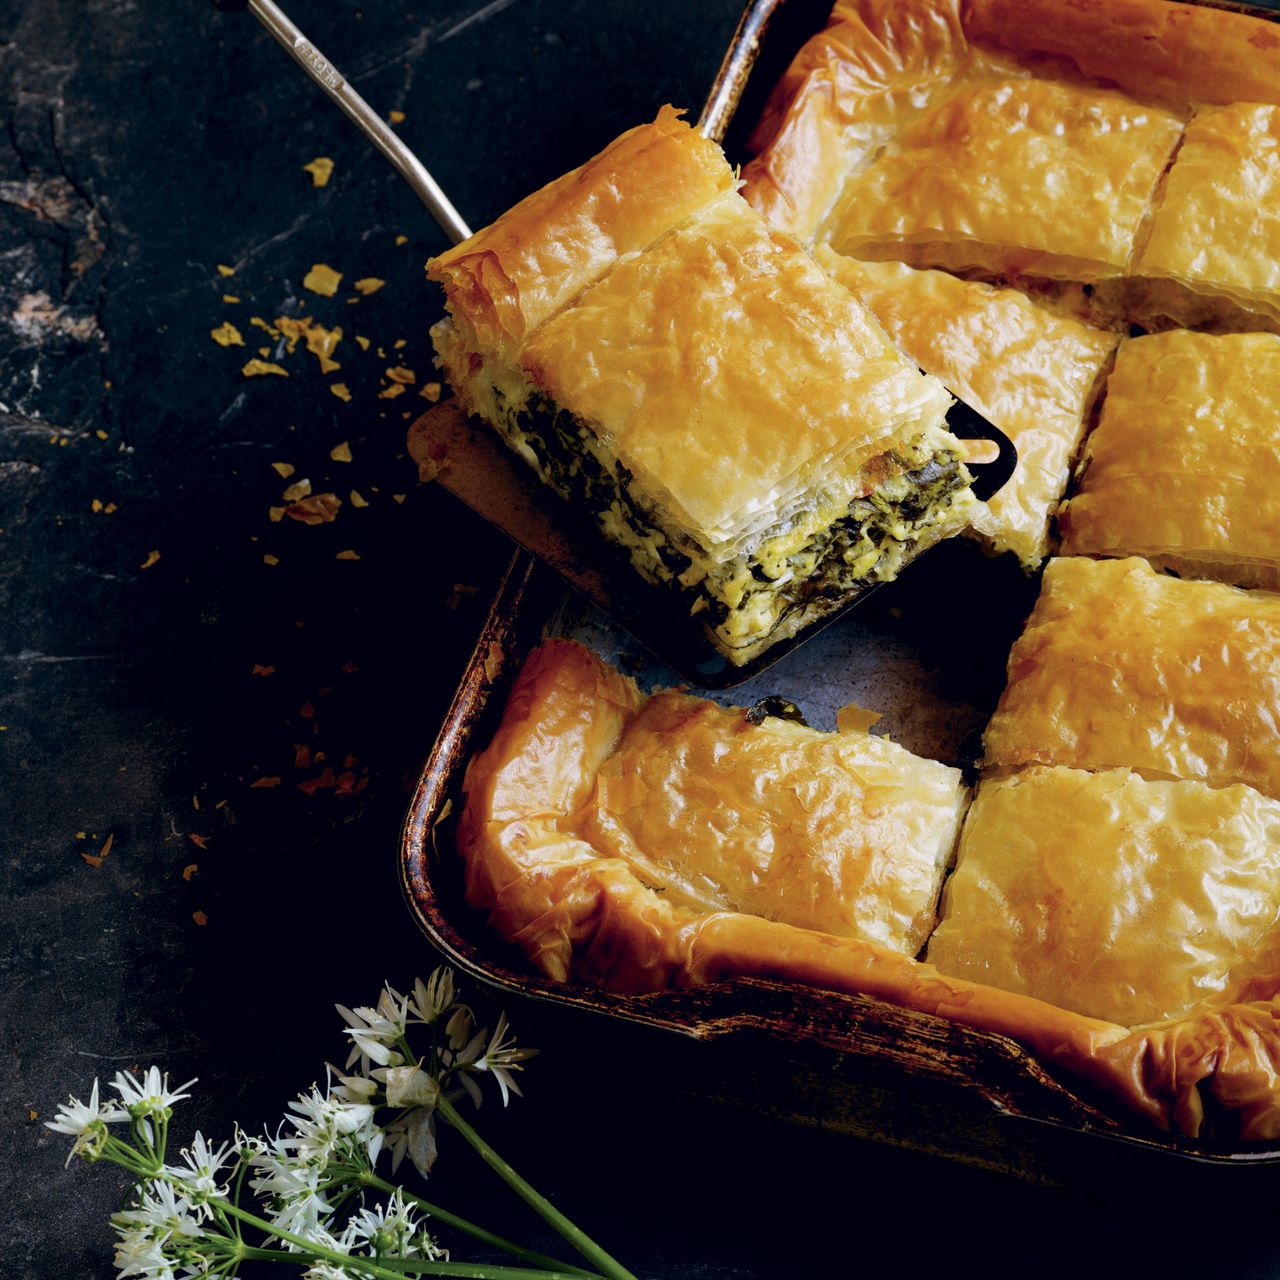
[[331, 80]]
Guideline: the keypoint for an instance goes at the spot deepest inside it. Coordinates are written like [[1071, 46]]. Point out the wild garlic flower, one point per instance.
[[327, 1125], [391, 1229], [432, 998], [293, 1184], [376, 1031], [502, 1057], [161, 1238], [150, 1096], [202, 1173], [140, 1253], [87, 1123]]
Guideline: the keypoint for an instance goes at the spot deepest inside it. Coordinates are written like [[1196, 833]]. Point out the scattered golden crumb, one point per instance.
[[320, 341], [320, 169], [341, 452], [102, 435], [396, 117], [298, 489], [272, 560], [349, 667], [33, 1115], [190, 869], [399, 497], [230, 298], [340, 390], [357, 499], [152, 557], [431, 391], [257, 368], [284, 469], [347, 555], [260, 670], [402, 239], [224, 270], [400, 343], [275, 514], [96, 505], [266, 326], [200, 918], [92, 859], [398, 373], [195, 802], [264, 352], [227, 335], [110, 509], [81, 835], [370, 284], [320, 508], [390, 393], [259, 784], [322, 279], [200, 842]]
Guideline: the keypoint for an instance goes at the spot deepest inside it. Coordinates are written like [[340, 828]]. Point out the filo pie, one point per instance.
[[1123, 667], [639, 844], [1183, 467], [730, 416]]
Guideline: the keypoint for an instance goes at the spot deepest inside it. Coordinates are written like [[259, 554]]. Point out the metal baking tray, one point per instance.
[[872, 1068]]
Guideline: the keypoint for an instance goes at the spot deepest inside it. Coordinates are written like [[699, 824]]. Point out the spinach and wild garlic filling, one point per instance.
[[799, 568]]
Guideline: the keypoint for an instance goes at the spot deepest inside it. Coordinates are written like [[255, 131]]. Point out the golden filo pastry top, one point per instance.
[[1033, 139], [708, 812], [1028, 368], [1120, 898], [1183, 467], [1124, 667], [602, 837], [690, 379]]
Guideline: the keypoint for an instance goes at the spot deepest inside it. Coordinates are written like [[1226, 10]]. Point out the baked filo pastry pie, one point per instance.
[[1183, 467], [1132, 141], [1123, 667], [639, 843], [689, 377], [1025, 366]]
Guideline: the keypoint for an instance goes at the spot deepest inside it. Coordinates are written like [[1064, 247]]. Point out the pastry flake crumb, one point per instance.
[[200, 918], [347, 555], [283, 469], [320, 169], [230, 298], [189, 870], [152, 557], [271, 560], [396, 117], [370, 284], [259, 368], [431, 391], [320, 508], [224, 270], [265, 782], [402, 240], [341, 452], [391, 392], [357, 499], [298, 489], [227, 335], [322, 279], [363, 341], [341, 390]]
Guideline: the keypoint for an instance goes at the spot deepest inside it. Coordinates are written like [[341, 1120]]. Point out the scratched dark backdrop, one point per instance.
[[156, 665]]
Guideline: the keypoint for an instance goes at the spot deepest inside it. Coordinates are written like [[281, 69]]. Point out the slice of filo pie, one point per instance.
[[1123, 667], [1183, 467], [731, 417]]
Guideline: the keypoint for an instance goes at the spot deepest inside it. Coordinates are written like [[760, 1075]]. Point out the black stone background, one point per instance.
[[144, 142]]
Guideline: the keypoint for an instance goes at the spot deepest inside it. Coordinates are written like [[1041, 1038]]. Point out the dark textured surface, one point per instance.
[[144, 142]]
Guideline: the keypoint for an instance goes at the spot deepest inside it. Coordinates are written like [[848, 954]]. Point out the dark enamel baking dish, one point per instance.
[[919, 1080]]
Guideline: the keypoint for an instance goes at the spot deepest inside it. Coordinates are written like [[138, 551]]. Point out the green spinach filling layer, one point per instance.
[[743, 599]]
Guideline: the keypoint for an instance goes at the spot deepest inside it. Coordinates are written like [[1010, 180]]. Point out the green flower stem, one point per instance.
[[476, 1232], [607, 1265], [382, 1268]]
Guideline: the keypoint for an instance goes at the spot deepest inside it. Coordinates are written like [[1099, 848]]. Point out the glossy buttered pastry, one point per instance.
[[1123, 667], [1022, 364], [729, 415], [642, 843], [1132, 143], [1183, 467]]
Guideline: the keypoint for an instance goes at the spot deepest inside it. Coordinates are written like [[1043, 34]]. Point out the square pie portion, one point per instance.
[[1217, 229], [1015, 177], [728, 414], [684, 810], [1123, 667], [1019, 363], [1113, 896], [1184, 465]]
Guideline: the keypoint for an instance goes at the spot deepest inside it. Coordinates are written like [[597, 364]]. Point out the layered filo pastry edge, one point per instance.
[[727, 414], [642, 843]]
